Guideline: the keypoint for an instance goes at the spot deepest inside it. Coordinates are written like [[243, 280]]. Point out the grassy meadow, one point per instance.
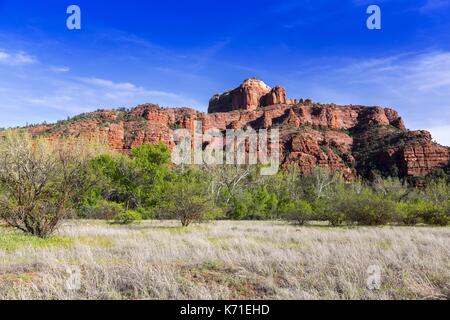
[[225, 260]]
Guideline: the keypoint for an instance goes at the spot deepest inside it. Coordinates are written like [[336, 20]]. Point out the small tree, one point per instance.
[[135, 180], [299, 211], [323, 179], [256, 203], [228, 181], [367, 209], [187, 198], [38, 181]]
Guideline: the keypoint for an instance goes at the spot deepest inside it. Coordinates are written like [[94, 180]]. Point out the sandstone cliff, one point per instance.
[[250, 95], [356, 140]]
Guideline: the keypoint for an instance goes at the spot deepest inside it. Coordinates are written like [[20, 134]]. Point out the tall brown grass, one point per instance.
[[226, 260]]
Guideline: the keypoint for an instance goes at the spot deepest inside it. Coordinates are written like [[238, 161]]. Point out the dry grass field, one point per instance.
[[224, 260]]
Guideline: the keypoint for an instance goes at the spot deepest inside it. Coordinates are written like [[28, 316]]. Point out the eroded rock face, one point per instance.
[[250, 95], [352, 139], [276, 95], [420, 154]]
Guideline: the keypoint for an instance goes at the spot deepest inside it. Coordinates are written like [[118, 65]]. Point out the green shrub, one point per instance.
[[186, 198], [146, 213], [335, 218], [440, 217], [135, 180], [436, 215], [128, 217], [367, 209], [423, 211], [325, 211], [239, 206], [299, 211], [408, 214], [254, 204], [105, 210]]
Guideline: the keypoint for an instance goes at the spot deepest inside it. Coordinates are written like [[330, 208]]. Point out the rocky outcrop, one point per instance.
[[421, 153], [250, 95], [355, 140], [276, 95]]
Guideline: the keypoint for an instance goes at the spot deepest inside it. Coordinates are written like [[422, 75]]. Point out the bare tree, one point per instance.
[[323, 180], [38, 180], [291, 182], [231, 178]]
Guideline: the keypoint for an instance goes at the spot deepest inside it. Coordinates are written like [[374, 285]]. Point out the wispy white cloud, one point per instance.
[[424, 73], [49, 92], [415, 84], [433, 5], [16, 58], [126, 86], [120, 90], [59, 69], [83, 94], [59, 102]]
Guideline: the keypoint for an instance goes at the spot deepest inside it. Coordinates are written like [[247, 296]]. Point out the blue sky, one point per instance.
[[179, 53]]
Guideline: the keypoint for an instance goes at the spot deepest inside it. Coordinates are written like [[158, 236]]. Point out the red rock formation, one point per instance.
[[421, 155], [351, 139], [276, 96], [250, 95]]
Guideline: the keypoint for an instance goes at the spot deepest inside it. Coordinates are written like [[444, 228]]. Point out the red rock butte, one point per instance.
[[356, 140]]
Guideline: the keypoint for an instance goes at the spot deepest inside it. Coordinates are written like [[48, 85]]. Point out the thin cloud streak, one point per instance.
[[16, 58], [415, 84]]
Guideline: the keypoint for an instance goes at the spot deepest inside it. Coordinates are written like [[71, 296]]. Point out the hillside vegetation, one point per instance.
[[43, 183]]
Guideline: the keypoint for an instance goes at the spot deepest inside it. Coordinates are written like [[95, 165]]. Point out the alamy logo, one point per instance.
[[73, 22], [233, 147], [73, 281], [374, 20], [374, 277]]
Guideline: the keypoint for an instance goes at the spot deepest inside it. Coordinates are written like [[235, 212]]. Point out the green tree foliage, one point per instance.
[[186, 197], [437, 191], [143, 181], [368, 209], [299, 211], [254, 204], [423, 211], [136, 181], [41, 183]]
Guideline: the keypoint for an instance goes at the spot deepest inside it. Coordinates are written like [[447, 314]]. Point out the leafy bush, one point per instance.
[[335, 218], [437, 190], [440, 217], [254, 204], [105, 210], [436, 215], [239, 206], [186, 198], [325, 211], [299, 211], [137, 180], [146, 213], [423, 211], [366, 209], [128, 217], [408, 214]]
